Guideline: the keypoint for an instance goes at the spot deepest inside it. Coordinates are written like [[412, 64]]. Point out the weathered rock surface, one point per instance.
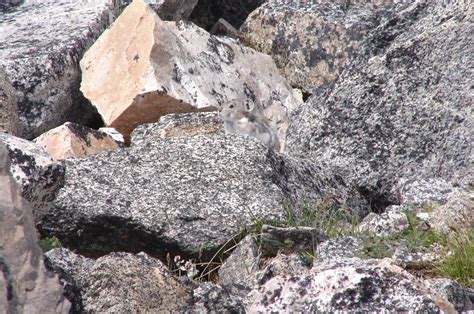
[[340, 248], [185, 195], [402, 110], [208, 12], [312, 41], [347, 285], [25, 285], [6, 5], [72, 140], [166, 67], [456, 215], [241, 266], [224, 28], [40, 48], [393, 221], [37, 174], [179, 125], [120, 283], [8, 105], [462, 298], [173, 10]]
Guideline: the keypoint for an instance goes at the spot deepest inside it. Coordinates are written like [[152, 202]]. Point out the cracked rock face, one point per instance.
[[40, 47], [402, 110], [166, 67], [25, 285], [120, 282], [186, 195], [312, 41]]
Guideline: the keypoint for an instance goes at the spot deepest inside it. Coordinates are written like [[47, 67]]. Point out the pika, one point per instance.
[[246, 119]]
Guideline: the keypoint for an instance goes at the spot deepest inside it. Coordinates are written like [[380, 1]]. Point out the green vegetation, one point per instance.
[[459, 264], [49, 243]]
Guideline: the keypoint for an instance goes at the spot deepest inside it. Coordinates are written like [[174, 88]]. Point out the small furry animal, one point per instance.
[[246, 119]]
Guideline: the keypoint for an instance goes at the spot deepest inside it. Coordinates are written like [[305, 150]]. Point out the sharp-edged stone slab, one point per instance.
[[37, 174], [25, 285], [41, 43], [72, 140], [166, 67]]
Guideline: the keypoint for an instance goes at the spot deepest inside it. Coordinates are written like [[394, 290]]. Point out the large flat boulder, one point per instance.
[[41, 43], [185, 195], [403, 110], [312, 41], [166, 67], [25, 285]]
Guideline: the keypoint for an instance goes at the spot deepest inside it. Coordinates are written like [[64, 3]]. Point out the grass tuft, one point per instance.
[[49, 243]]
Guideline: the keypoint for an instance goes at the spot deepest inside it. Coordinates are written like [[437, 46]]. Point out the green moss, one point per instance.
[[49, 243]]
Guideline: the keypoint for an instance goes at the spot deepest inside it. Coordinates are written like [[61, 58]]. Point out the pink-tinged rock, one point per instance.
[[72, 140], [143, 68]]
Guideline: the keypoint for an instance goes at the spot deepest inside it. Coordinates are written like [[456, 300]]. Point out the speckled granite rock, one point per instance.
[[462, 298], [179, 125], [25, 285], [312, 41], [402, 110], [120, 282], [40, 47], [38, 175], [173, 10], [208, 12], [168, 67], [72, 140], [391, 222], [456, 215], [185, 195], [340, 247], [212, 298], [8, 105], [341, 285]]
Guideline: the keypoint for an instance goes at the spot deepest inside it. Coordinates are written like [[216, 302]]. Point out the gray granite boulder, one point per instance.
[[25, 285], [341, 247], [346, 285], [208, 12], [8, 105], [462, 298], [119, 283], [40, 47], [7, 5], [402, 109], [182, 195], [312, 41], [391, 222], [38, 176]]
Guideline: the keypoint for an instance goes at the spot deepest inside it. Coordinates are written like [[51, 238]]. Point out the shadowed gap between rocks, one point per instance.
[[106, 234]]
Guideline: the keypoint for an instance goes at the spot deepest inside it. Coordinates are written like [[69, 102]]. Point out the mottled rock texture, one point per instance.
[[346, 285], [119, 283], [462, 298], [37, 174], [393, 221], [312, 41], [72, 140], [208, 12], [8, 105], [25, 285], [403, 107], [41, 43], [185, 195], [7, 5], [166, 67], [340, 247]]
